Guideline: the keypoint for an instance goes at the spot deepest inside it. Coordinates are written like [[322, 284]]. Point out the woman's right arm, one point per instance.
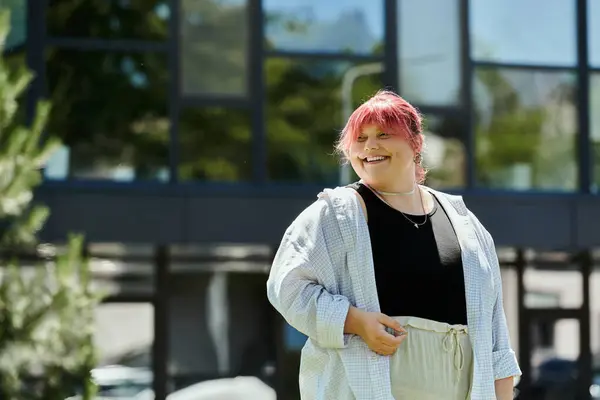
[[302, 261]]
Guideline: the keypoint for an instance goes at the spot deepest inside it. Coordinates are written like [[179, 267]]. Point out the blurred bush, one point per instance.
[[47, 305]]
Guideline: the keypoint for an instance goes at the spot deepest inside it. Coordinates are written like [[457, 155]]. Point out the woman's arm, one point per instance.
[[303, 260], [504, 388]]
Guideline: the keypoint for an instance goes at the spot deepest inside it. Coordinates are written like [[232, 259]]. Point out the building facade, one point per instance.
[[195, 130]]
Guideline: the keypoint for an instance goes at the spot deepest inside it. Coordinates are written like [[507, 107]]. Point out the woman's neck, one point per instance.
[[417, 202], [407, 188]]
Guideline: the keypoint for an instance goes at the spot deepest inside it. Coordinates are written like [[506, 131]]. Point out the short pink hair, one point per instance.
[[392, 114]]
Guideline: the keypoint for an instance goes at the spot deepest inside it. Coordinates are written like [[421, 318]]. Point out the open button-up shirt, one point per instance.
[[325, 264]]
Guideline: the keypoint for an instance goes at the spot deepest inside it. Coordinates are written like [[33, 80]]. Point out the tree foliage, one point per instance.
[[46, 307]]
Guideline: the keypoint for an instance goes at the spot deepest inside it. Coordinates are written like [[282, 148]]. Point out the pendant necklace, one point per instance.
[[380, 195]]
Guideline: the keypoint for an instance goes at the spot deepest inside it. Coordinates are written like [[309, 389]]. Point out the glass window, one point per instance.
[[524, 32], [552, 280], [526, 127], [429, 51], [215, 145], [553, 353], [109, 19], [304, 115], [124, 335], [445, 155], [18, 22], [348, 26], [594, 32], [214, 47], [110, 109], [595, 128]]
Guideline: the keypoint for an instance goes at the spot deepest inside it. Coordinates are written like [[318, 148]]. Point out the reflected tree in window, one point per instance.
[[445, 155], [526, 129], [304, 117], [111, 111], [214, 47], [109, 19], [215, 145]]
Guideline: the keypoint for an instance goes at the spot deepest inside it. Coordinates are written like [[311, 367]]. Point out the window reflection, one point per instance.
[[18, 22], [124, 335], [348, 26], [109, 19], [111, 111], [595, 129], [214, 47], [540, 32], [445, 155], [215, 145], [555, 349], [594, 32], [429, 51], [304, 116], [526, 126], [206, 344]]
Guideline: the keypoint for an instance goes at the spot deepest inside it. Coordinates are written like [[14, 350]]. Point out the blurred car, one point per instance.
[[120, 382]]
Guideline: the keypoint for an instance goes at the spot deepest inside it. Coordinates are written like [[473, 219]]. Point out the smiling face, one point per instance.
[[380, 158], [381, 139]]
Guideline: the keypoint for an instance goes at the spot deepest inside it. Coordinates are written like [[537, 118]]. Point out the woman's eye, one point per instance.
[[383, 135], [361, 139]]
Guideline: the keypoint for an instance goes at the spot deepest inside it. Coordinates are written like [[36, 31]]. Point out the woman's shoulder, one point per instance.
[[329, 203], [455, 200]]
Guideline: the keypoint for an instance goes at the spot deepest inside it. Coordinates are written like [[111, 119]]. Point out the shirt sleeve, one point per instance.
[[301, 270], [504, 358]]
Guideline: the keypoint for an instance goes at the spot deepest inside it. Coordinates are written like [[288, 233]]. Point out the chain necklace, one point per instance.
[[415, 224], [392, 193]]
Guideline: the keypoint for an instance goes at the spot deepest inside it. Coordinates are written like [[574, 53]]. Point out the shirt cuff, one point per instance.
[[331, 322], [505, 364]]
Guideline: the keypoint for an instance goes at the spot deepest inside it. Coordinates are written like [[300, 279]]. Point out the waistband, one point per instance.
[[430, 325], [451, 341]]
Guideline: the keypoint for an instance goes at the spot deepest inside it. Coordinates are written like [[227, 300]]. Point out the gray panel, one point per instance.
[[588, 222], [546, 222], [244, 220], [115, 217], [529, 221]]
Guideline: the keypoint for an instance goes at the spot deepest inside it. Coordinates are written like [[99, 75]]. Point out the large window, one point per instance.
[[594, 32], [110, 108], [109, 19], [524, 32], [305, 114], [429, 51], [346, 26], [214, 49], [526, 126], [595, 129]]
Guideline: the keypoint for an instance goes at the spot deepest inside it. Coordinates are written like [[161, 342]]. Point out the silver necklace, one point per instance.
[[393, 193], [416, 225]]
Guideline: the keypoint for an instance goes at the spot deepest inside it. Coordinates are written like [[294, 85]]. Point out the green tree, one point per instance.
[[46, 309]]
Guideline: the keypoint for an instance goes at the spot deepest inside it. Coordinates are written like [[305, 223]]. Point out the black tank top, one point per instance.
[[418, 271]]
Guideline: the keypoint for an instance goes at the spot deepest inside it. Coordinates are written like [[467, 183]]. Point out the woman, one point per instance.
[[396, 285]]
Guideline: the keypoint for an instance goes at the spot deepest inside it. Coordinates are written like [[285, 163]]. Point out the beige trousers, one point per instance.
[[434, 362]]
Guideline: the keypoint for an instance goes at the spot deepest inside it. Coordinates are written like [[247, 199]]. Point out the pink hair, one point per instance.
[[392, 114]]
